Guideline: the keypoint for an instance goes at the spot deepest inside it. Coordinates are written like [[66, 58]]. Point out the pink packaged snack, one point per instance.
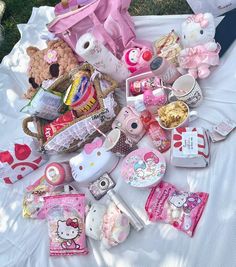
[[65, 215], [181, 209]]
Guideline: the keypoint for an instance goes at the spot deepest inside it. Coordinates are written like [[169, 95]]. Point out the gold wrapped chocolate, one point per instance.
[[168, 47]]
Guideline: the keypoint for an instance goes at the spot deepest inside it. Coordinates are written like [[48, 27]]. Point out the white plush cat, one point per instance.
[[200, 49], [107, 224]]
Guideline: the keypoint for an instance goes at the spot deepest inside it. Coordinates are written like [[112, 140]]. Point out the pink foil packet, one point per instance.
[[66, 224], [181, 209]]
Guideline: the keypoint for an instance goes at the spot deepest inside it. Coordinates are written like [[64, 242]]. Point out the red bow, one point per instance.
[[72, 222]]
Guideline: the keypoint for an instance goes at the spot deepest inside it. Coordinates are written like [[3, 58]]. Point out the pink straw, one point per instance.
[[97, 129], [171, 88]]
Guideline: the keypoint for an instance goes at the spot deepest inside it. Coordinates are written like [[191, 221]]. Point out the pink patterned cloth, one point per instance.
[[199, 55]]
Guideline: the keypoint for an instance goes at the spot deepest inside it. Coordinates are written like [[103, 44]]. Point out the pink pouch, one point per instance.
[[66, 224], [108, 20], [181, 209]]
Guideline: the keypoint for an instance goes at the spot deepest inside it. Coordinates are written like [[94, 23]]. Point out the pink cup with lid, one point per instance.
[[58, 173]]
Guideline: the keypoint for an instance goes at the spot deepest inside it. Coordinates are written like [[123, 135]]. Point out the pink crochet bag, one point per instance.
[[108, 20]]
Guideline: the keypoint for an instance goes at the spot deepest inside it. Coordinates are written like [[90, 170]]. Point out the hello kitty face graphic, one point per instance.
[[69, 229], [178, 200], [198, 29]]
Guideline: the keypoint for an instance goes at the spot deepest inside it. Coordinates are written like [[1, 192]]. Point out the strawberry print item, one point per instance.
[[181, 209], [65, 215], [143, 168], [19, 160], [158, 135], [190, 147], [51, 128]]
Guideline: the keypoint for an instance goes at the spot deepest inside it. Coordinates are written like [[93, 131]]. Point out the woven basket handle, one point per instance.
[[26, 129], [112, 87]]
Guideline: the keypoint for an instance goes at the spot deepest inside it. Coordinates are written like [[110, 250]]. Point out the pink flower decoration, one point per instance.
[[51, 56]]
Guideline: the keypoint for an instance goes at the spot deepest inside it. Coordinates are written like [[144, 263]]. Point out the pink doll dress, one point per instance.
[[66, 226], [199, 55], [181, 209]]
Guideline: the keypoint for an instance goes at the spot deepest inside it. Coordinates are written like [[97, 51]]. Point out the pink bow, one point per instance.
[[88, 148], [199, 18], [72, 222]]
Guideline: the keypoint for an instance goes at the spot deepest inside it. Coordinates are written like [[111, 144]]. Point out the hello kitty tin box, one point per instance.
[[143, 168]]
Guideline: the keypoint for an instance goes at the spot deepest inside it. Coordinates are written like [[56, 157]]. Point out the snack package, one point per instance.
[[181, 209], [51, 128], [33, 199], [169, 47], [20, 159], [190, 147], [66, 224], [44, 104]]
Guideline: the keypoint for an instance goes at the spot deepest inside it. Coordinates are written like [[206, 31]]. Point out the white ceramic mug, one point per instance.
[[186, 89], [191, 116]]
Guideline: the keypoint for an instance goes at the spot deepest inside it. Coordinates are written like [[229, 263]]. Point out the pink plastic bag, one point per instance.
[[65, 215], [181, 209], [108, 20]]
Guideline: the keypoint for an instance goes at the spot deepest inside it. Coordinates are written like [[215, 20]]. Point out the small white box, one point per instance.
[[190, 147]]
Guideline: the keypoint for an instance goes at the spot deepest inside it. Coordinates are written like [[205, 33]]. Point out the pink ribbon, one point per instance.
[[88, 148], [199, 18]]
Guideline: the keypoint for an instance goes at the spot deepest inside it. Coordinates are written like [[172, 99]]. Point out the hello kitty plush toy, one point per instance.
[[200, 49], [136, 58], [107, 224]]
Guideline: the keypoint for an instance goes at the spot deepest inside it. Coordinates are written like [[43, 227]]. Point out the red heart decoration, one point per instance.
[[22, 152]]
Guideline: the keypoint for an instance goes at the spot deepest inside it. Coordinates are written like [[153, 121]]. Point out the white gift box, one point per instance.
[[190, 147]]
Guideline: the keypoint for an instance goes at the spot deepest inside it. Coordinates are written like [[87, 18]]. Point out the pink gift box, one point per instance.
[[190, 147]]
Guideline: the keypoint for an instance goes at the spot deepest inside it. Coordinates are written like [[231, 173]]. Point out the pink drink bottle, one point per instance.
[[158, 135], [165, 70]]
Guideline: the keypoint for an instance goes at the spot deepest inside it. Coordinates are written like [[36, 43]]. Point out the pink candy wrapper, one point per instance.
[[181, 209], [65, 215]]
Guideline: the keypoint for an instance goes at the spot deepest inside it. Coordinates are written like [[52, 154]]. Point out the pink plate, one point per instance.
[[143, 167]]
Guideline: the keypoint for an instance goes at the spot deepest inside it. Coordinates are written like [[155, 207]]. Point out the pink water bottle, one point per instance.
[[165, 70], [158, 135], [58, 173]]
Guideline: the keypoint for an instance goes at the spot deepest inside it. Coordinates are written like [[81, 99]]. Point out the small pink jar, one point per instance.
[[58, 173]]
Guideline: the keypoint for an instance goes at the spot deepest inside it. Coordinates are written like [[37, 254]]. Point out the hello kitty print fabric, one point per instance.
[[65, 215], [181, 209]]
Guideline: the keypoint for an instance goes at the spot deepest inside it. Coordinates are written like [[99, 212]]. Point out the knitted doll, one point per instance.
[[48, 64]]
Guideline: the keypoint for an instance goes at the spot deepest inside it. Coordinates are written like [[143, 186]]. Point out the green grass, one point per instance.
[[19, 12]]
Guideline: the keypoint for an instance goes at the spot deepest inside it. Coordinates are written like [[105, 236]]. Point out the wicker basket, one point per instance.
[[60, 85]]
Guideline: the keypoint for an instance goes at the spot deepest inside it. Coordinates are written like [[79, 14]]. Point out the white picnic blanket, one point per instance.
[[25, 243]]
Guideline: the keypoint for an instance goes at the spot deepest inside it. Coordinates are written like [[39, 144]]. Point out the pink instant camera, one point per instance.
[[129, 122]]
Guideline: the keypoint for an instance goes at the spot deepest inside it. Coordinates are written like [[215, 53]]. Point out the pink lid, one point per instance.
[[143, 167], [55, 173]]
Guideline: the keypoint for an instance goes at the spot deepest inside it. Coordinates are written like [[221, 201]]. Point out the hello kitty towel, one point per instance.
[[65, 214]]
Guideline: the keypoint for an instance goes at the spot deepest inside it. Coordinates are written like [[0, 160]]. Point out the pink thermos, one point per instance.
[[58, 173], [165, 70]]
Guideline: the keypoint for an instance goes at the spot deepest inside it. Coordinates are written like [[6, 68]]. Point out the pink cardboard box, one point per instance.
[[130, 99], [190, 147]]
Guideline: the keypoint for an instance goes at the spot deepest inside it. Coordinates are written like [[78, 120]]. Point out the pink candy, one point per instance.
[[181, 209]]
